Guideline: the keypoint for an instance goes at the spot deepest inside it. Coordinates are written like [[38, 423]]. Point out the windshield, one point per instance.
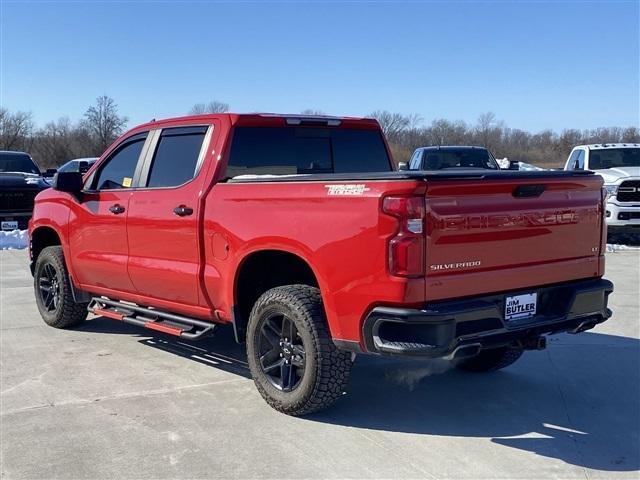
[[613, 158], [462, 158], [15, 162]]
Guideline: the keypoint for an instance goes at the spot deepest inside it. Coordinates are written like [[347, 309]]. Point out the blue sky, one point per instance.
[[536, 65]]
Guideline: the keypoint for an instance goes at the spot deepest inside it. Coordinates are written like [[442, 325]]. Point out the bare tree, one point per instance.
[[60, 141], [489, 130], [395, 123], [631, 135], [55, 142], [103, 122], [211, 107], [568, 139], [15, 128], [445, 132]]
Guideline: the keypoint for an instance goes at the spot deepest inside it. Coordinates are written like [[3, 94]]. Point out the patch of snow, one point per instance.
[[614, 247], [503, 162], [14, 240], [529, 167]]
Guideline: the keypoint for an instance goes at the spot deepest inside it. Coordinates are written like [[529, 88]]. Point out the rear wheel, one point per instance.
[[491, 359], [53, 291], [295, 366]]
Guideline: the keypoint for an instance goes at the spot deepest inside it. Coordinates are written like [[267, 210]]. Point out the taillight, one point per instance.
[[406, 248]]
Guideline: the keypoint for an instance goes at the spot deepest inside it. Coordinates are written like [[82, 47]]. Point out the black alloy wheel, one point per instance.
[[53, 290], [294, 363], [49, 287], [282, 352]]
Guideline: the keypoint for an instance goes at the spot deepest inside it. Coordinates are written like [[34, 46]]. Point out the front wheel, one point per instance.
[[52, 287], [294, 364]]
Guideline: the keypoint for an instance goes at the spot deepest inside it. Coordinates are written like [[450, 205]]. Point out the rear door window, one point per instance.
[[175, 161], [304, 150]]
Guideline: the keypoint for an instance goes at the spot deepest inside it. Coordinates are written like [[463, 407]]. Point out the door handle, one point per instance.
[[183, 211], [116, 209]]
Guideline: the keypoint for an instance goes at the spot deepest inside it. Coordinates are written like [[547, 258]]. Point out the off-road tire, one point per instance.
[[67, 313], [491, 359], [326, 370]]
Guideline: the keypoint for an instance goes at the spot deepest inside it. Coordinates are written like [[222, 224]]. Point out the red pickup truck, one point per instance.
[[298, 233]]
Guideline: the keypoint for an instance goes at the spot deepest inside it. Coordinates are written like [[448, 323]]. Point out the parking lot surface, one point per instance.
[[108, 400]]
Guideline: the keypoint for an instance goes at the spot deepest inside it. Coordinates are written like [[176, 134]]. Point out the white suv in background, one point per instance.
[[619, 165]]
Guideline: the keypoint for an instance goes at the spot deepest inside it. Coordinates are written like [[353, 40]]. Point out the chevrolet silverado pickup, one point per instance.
[[297, 233]]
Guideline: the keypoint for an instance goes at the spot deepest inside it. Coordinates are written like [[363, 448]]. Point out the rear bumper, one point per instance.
[[462, 327]]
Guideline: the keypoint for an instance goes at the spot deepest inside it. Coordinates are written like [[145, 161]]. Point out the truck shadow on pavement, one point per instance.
[[578, 401], [221, 352]]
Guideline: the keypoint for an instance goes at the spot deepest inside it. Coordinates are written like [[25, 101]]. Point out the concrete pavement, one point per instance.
[[111, 401]]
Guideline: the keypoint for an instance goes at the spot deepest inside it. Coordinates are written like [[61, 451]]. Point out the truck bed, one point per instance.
[[479, 238]]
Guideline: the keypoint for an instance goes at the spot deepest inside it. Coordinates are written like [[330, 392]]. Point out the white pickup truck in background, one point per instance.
[[619, 165]]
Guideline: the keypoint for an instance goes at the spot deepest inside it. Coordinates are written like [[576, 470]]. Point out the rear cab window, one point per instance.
[[295, 150]]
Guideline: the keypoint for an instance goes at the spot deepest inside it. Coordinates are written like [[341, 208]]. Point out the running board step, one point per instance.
[[151, 318]]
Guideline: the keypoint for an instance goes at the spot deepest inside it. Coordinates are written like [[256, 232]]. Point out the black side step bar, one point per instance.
[[150, 318]]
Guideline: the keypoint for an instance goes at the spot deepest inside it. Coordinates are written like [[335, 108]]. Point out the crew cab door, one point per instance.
[[164, 251], [98, 221]]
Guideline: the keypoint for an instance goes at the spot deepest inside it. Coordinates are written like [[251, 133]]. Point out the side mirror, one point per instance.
[[514, 165], [49, 172], [68, 182], [402, 166]]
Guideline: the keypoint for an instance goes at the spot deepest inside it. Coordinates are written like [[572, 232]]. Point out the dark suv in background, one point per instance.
[[20, 182]]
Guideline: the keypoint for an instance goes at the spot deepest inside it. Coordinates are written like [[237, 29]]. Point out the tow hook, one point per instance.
[[534, 343]]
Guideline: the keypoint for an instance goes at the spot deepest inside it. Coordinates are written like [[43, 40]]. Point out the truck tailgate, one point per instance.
[[494, 234]]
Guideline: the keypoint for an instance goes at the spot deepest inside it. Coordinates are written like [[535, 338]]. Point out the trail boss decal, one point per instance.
[[347, 189], [520, 306]]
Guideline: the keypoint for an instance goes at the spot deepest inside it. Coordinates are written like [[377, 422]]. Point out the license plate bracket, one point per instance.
[[519, 307]]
